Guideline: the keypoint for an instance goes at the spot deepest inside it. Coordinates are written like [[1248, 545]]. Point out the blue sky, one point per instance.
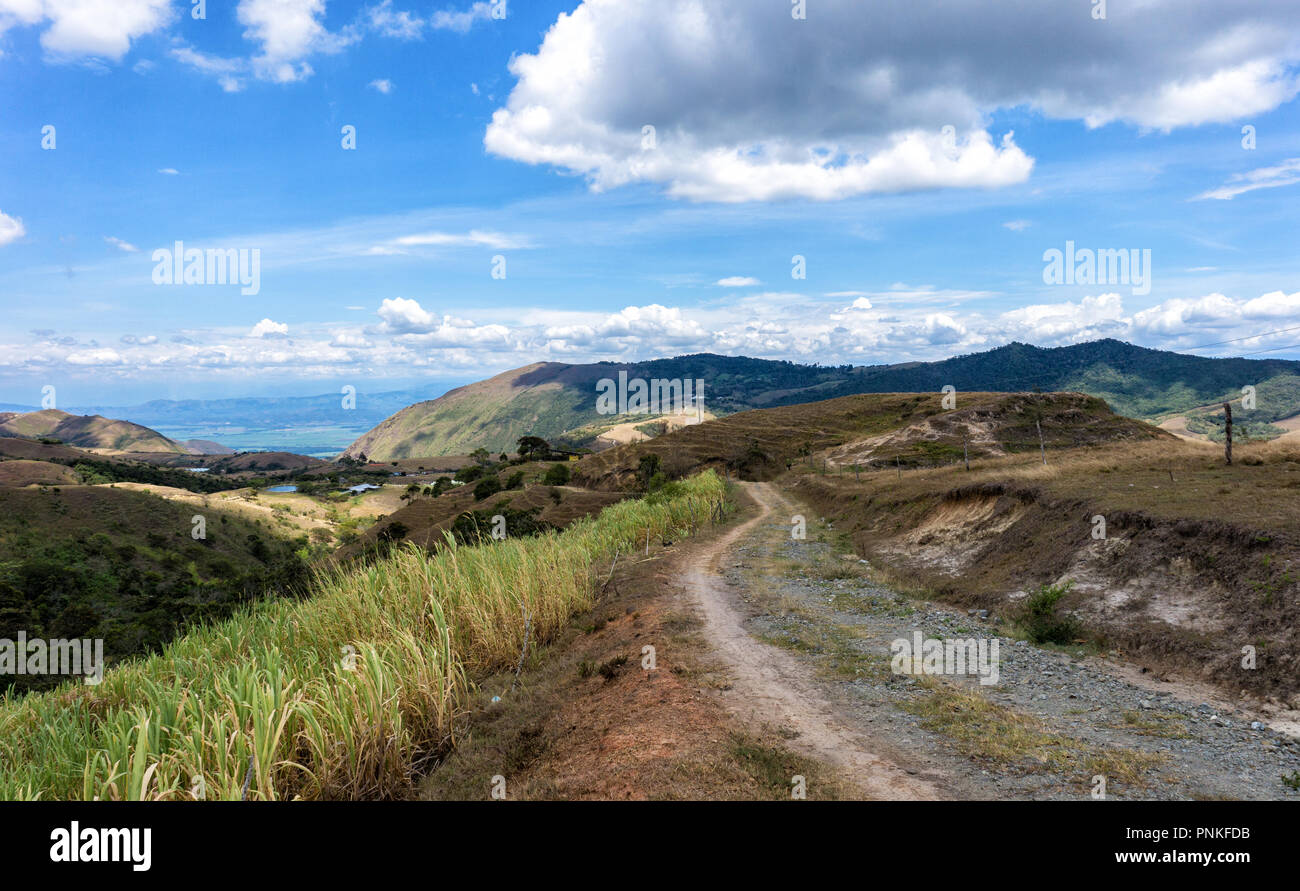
[[921, 160]]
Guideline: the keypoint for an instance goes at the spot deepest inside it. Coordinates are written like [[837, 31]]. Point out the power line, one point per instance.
[[1273, 349], [1250, 337]]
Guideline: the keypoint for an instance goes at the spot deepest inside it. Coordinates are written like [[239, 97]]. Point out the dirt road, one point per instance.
[[804, 631], [771, 687]]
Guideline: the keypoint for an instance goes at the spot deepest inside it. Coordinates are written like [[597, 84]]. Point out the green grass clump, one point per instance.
[[346, 695]]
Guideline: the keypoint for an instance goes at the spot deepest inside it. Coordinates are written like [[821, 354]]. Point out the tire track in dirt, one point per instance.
[[771, 687]]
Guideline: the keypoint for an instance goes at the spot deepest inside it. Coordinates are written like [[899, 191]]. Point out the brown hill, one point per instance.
[[265, 461], [19, 472], [88, 432], [887, 430]]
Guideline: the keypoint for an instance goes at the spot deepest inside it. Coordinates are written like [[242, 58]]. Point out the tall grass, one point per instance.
[[346, 695]]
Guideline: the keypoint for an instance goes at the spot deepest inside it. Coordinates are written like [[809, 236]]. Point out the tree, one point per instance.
[[481, 456], [646, 470], [516, 480], [533, 448], [558, 475]]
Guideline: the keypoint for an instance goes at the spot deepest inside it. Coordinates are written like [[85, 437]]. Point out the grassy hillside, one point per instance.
[[558, 402], [99, 562], [347, 694], [1134, 381], [870, 432], [551, 400], [88, 432]]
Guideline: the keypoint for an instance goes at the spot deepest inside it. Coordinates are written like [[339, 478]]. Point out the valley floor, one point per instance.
[[772, 660]]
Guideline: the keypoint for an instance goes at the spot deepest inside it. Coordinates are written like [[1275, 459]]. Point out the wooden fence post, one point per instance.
[[1227, 432]]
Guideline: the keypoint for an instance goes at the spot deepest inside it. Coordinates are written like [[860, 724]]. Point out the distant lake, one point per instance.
[[283, 489], [323, 441]]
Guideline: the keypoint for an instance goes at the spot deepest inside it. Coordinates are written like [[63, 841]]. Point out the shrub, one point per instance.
[[558, 475], [1040, 618], [486, 488]]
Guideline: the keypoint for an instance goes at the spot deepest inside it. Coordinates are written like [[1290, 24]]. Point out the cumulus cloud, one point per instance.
[[1088, 319], [1285, 174], [403, 316], [861, 99], [11, 229], [770, 325], [738, 281], [268, 328], [653, 323], [288, 32], [80, 28], [383, 85]]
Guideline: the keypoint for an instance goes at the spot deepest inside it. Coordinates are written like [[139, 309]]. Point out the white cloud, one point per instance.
[[1016, 225], [775, 325], [11, 229], [405, 316], [401, 25], [738, 281], [462, 21], [168, 171], [1176, 315], [80, 28], [862, 99], [228, 72], [289, 31], [473, 238], [351, 340], [383, 85], [121, 245], [1272, 305], [102, 356], [1285, 174], [1069, 322], [268, 328]]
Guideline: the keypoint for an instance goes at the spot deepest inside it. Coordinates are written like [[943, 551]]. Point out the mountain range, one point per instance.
[[558, 402]]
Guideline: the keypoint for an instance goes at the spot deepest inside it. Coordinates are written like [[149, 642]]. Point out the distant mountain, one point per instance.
[[553, 400], [87, 432], [1135, 381], [558, 402]]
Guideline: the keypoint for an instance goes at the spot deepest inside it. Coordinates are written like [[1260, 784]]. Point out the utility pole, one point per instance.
[[1227, 432]]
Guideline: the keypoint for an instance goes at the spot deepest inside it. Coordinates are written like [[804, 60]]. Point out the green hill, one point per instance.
[[101, 562], [556, 401]]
